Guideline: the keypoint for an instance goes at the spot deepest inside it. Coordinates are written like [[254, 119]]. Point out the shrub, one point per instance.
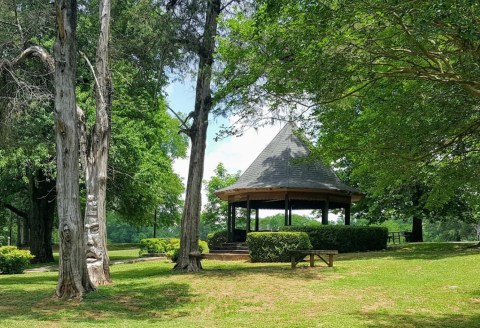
[[173, 248], [216, 239], [275, 246], [345, 238], [13, 260], [153, 246]]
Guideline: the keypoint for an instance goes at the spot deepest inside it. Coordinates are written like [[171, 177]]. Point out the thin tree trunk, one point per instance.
[[41, 218], [189, 259], [97, 159], [73, 280]]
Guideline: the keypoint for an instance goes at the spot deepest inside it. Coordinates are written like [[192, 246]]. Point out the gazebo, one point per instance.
[[281, 178]]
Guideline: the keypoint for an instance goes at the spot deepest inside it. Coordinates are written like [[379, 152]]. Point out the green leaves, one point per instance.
[[215, 211]]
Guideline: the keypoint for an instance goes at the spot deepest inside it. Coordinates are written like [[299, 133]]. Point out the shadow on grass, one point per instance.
[[121, 301], [421, 320], [28, 279]]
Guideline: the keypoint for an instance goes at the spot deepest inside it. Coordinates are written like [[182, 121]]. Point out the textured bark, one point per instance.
[[97, 159], [41, 218], [189, 260], [73, 280]]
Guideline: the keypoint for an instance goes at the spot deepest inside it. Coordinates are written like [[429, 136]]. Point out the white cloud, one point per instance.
[[236, 153]]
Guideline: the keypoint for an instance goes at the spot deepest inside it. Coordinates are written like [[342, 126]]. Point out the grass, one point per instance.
[[414, 285]]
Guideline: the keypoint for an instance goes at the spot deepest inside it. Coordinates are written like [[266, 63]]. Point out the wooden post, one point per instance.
[[325, 212], [234, 217], [257, 220], [312, 260], [290, 214], [347, 214], [229, 223], [286, 210], [249, 212]]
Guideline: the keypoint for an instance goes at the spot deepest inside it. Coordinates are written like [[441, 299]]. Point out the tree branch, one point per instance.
[[15, 210], [94, 75], [35, 51], [185, 128]]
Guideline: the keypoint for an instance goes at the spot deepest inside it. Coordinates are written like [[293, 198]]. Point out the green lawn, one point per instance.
[[416, 285]]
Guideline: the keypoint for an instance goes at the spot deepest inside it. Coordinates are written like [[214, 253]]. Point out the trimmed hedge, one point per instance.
[[344, 238], [168, 246], [275, 246], [216, 239], [153, 246], [174, 248], [14, 260]]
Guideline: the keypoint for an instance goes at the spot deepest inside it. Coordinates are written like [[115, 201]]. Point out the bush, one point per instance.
[[13, 260], [153, 246], [216, 239], [173, 248], [275, 246], [345, 238]]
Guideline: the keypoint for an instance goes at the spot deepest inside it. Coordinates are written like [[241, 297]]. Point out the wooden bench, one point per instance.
[[298, 255]]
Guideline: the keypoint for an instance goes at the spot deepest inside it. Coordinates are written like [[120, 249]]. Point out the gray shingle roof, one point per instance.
[[278, 166]]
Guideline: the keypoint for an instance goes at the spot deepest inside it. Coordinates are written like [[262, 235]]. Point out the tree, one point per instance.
[[26, 116], [73, 279], [391, 87], [95, 161], [189, 259], [215, 212]]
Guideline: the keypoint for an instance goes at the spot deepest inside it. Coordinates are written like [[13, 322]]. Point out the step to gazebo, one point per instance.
[[227, 247], [226, 257], [229, 252]]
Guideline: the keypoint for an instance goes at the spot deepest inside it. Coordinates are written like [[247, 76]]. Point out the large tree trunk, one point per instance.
[[41, 217], [97, 159], [73, 280], [417, 230], [189, 259]]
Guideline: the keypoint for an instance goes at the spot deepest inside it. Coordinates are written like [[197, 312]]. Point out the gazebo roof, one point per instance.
[[280, 167]]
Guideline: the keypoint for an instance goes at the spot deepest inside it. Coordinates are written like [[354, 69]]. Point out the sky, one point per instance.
[[236, 153]]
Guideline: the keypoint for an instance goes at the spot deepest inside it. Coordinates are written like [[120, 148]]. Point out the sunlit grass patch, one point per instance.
[[406, 286]]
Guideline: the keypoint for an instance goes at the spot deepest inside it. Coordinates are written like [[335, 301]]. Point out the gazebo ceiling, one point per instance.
[[280, 171]]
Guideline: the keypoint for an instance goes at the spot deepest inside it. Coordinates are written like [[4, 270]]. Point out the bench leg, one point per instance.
[[312, 260], [294, 263], [330, 260]]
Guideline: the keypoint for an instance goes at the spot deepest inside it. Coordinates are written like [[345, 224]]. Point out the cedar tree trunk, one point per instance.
[[73, 281], [189, 259], [97, 159]]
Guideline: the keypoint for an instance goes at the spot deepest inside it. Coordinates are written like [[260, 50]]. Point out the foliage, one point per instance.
[[13, 260], [276, 221], [215, 212], [216, 239], [389, 91], [275, 246], [345, 238], [153, 246], [450, 230]]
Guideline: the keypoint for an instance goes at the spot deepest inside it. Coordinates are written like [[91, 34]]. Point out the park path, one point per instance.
[[51, 268]]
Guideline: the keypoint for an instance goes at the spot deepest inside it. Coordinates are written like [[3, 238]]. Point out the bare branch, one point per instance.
[[35, 51], [183, 122], [94, 75]]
